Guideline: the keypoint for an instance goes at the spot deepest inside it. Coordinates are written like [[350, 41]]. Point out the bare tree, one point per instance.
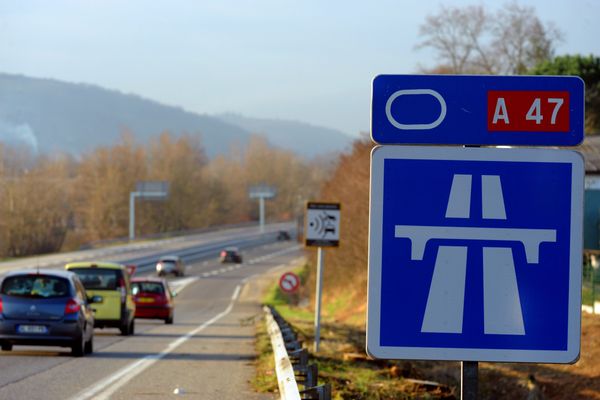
[[455, 33], [472, 40]]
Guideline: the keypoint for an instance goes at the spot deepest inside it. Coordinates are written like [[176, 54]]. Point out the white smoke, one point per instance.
[[20, 134]]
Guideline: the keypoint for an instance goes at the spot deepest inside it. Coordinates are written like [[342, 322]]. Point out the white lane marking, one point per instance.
[[179, 284], [275, 254], [109, 385]]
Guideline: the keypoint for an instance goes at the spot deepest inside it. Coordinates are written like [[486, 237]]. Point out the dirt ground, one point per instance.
[[554, 381], [529, 381], [496, 380]]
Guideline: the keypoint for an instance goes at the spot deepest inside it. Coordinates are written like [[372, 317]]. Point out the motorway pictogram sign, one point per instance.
[[477, 110], [475, 254]]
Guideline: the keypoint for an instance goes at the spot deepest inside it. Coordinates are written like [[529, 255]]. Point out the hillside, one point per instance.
[[49, 115], [304, 138]]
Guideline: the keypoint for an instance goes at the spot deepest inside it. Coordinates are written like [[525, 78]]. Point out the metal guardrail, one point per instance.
[[163, 235], [291, 362]]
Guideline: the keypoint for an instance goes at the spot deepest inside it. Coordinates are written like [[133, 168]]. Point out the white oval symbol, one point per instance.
[[439, 98]]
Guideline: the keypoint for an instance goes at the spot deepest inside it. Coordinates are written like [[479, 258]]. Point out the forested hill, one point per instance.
[[49, 115], [304, 138]]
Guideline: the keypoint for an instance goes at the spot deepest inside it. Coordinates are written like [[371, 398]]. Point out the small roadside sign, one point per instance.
[[475, 254], [289, 282], [477, 110], [322, 224]]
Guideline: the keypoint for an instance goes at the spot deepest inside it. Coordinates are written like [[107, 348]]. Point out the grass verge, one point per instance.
[[341, 360]]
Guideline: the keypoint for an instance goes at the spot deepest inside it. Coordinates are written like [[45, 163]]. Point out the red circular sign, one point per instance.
[[289, 282]]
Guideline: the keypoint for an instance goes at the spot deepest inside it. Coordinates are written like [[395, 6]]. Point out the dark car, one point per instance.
[[231, 255], [46, 308], [153, 299], [283, 235]]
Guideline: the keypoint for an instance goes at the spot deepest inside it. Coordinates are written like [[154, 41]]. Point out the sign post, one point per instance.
[[322, 230], [262, 192], [146, 190], [459, 234]]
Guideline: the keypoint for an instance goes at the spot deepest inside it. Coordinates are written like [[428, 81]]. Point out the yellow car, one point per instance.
[[109, 281]]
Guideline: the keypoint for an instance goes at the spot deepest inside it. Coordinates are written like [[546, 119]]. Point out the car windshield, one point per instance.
[[147, 287], [97, 278], [35, 286]]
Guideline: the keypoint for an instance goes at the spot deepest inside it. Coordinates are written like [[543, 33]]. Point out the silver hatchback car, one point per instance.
[[170, 265]]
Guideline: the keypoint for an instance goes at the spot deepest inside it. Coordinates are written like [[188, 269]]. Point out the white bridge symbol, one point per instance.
[[502, 305]]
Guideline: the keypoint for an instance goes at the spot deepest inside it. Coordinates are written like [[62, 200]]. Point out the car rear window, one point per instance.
[[98, 278], [147, 287], [37, 286]]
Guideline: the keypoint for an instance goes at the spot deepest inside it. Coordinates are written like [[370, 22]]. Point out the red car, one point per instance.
[[153, 299]]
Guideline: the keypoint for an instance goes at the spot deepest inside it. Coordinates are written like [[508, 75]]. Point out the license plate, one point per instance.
[[146, 300], [32, 329]]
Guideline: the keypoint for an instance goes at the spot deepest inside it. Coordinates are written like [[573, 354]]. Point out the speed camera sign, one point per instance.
[[323, 224]]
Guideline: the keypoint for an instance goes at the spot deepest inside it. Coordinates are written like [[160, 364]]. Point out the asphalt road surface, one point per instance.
[[206, 354]]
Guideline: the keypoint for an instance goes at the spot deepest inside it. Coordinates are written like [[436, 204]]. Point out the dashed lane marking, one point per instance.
[[109, 385]]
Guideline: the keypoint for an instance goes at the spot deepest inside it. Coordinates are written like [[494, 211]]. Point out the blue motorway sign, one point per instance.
[[477, 110], [475, 254]]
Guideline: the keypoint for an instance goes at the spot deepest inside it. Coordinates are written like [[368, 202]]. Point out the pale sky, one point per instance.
[[307, 60]]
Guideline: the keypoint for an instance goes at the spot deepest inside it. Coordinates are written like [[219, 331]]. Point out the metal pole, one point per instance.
[[592, 281], [469, 377], [320, 262], [132, 215], [261, 204]]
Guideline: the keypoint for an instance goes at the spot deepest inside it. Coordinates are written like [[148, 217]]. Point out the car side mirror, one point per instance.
[[95, 299]]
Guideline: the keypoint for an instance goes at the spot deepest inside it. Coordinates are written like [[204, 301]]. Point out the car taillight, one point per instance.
[[123, 290], [72, 307]]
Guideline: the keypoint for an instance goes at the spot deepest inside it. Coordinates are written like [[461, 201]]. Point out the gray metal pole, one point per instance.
[[320, 262], [261, 202], [469, 377], [132, 215]]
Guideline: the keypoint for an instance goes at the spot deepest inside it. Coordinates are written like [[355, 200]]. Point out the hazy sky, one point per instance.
[[308, 60]]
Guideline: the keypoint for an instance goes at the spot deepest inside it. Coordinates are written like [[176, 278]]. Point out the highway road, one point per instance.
[[206, 354]]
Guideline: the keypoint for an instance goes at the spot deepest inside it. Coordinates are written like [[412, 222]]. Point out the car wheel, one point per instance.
[[7, 346], [89, 346], [132, 327], [169, 320], [78, 347]]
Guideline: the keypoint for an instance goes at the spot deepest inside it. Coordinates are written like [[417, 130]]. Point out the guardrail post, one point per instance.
[[291, 362]]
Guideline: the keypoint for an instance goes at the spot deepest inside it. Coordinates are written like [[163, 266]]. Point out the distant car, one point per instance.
[[109, 281], [46, 308], [231, 255], [170, 265], [153, 299], [283, 235]]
